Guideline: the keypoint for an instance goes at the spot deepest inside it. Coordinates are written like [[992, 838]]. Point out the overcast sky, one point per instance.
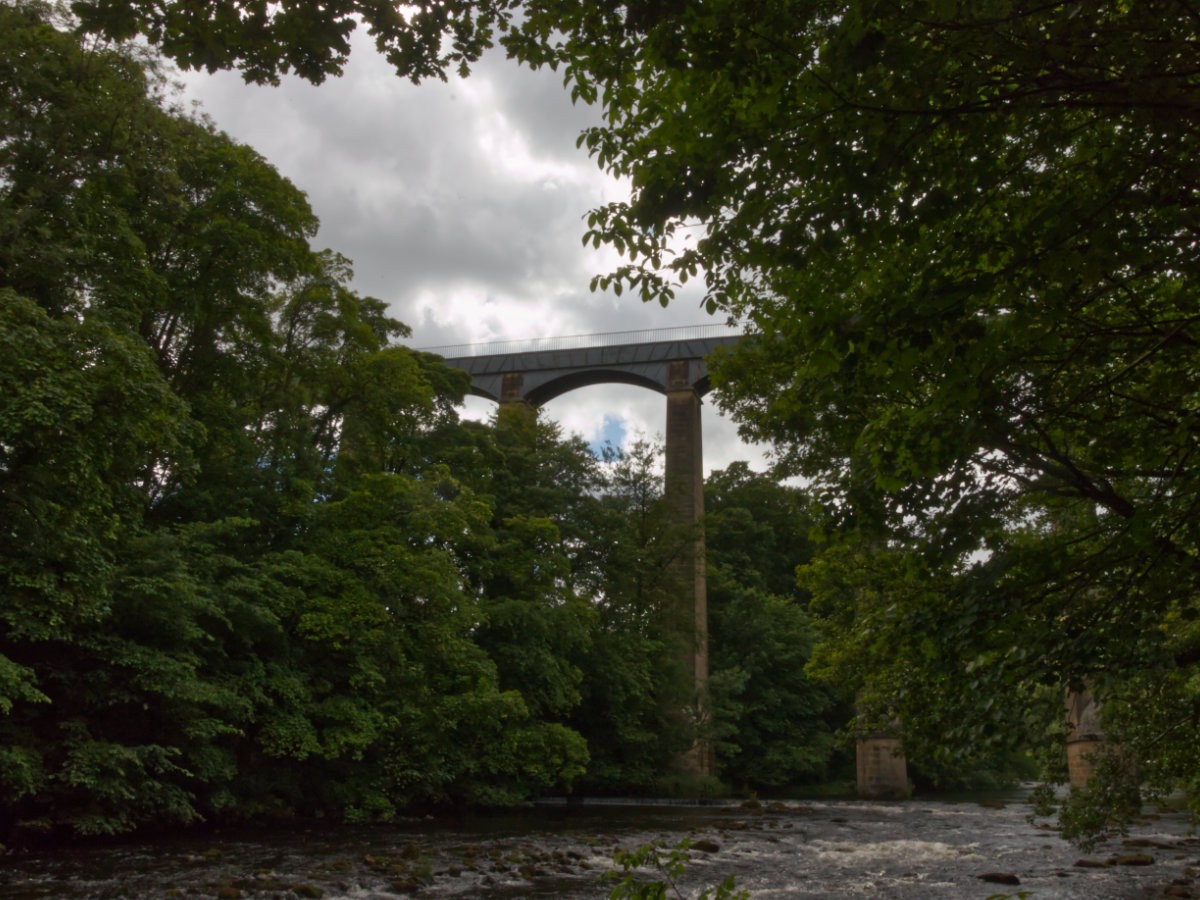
[[462, 205]]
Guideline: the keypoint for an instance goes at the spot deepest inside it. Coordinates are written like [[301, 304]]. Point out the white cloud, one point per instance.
[[462, 205]]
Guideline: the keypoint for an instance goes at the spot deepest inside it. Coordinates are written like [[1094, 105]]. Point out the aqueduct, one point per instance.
[[669, 361], [673, 362]]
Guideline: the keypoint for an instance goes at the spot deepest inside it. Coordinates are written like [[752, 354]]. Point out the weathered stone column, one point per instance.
[[1085, 737], [513, 402], [512, 389], [882, 767], [684, 492]]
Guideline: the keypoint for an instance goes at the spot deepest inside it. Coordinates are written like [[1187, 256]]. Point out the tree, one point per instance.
[[535, 623], [231, 563], [637, 687], [959, 234], [84, 417], [405, 705], [264, 41], [775, 723], [573, 584], [965, 235]]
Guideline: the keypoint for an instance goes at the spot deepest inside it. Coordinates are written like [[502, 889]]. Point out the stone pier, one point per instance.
[[1085, 737], [684, 493], [882, 768]]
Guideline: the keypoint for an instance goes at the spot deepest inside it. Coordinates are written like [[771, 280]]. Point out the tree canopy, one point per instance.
[[251, 562], [965, 236], [233, 561]]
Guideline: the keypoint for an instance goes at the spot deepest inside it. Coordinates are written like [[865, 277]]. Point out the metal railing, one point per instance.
[[586, 341]]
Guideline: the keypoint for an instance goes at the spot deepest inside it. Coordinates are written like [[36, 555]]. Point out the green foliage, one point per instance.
[[960, 233], [1042, 801], [669, 862], [249, 547], [312, 41], [636, 688], [1103, 808], [235, 579], [85, 418], [978, 333], [963, 251], [774, 725]]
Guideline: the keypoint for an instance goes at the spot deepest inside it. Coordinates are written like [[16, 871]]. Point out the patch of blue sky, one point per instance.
[[612, 432]]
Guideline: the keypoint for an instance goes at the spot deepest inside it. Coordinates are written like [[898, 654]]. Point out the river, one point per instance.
[[818, 848]]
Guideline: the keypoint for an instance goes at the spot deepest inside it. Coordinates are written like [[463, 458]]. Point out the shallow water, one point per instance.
[[843, 848]]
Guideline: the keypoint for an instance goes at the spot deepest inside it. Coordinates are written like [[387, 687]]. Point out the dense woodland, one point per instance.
[[252, 563]]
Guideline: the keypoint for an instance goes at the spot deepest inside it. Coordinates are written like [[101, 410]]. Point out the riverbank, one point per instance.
[[919, 848]]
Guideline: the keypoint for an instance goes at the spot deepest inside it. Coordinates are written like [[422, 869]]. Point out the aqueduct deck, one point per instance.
[[538, 371]]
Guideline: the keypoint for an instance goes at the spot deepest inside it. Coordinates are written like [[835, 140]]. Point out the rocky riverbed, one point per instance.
[[919, 848]]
